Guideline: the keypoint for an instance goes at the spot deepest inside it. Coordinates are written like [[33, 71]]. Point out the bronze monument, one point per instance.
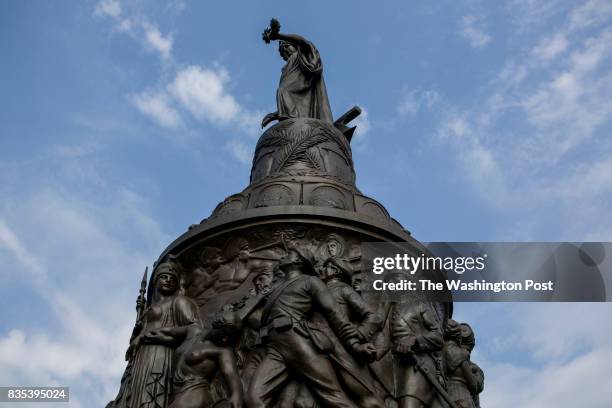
[[262, 303]]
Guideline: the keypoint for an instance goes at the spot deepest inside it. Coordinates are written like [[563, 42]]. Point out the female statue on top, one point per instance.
[[301, 92]]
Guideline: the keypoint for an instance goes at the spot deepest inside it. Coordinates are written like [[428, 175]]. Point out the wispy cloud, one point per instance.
[[75, 349], [111, 8], [575, 383], [137, 26], [564, 369], [10, 242], [554, 92], [156, 41], [551, 47], [527, 14], [70, 249], [184, 91], [158, 106], [201, 93], [364, 127], [241, 151], [592, 13], [472, 28], [413, 101]]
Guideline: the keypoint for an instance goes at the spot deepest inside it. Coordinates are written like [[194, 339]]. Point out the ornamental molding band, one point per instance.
[[261, 304]]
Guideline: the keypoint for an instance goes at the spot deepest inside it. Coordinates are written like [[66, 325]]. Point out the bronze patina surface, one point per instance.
[[261, 304]]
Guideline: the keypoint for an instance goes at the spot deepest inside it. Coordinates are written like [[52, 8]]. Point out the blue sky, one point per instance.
[[123, 122]]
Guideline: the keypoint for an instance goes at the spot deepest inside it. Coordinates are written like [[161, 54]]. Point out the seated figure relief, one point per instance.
[[200, 357]]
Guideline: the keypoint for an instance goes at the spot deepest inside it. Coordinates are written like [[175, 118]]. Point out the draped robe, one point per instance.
[[147, 381], [301, 91]]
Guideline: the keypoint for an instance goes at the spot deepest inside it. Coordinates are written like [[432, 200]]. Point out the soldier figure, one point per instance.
[[252, 322], [417, 338], [465, 379], [202, 279], [294, 346], [354, 375]]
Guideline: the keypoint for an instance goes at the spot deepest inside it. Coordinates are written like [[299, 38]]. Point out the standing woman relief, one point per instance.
[[147, 381]]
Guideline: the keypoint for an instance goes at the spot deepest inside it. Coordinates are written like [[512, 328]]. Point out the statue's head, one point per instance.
[[263, 281], [334, 245], [285, 49], [334, 268], [297, 258], [452, 331], [211, 258], [167, 278], [467, 336]]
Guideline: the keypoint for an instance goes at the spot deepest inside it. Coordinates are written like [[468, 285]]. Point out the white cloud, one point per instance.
[[561, 361], [364, 126], [77, 348], [111, 8], [249, 122], [412, 102], [551, 47], [125, 25], [158, 106], [71, 241], [529, 16], [477, 160], [575, 383], [580, 329], [590, 14], [473, 30], [571, 104], [203, 92], [156, 41], [409, 104], [10, 242], [138, 27], [241, 151], [527, 147]]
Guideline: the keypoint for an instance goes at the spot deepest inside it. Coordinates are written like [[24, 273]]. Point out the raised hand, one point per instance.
[[271, 33]]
